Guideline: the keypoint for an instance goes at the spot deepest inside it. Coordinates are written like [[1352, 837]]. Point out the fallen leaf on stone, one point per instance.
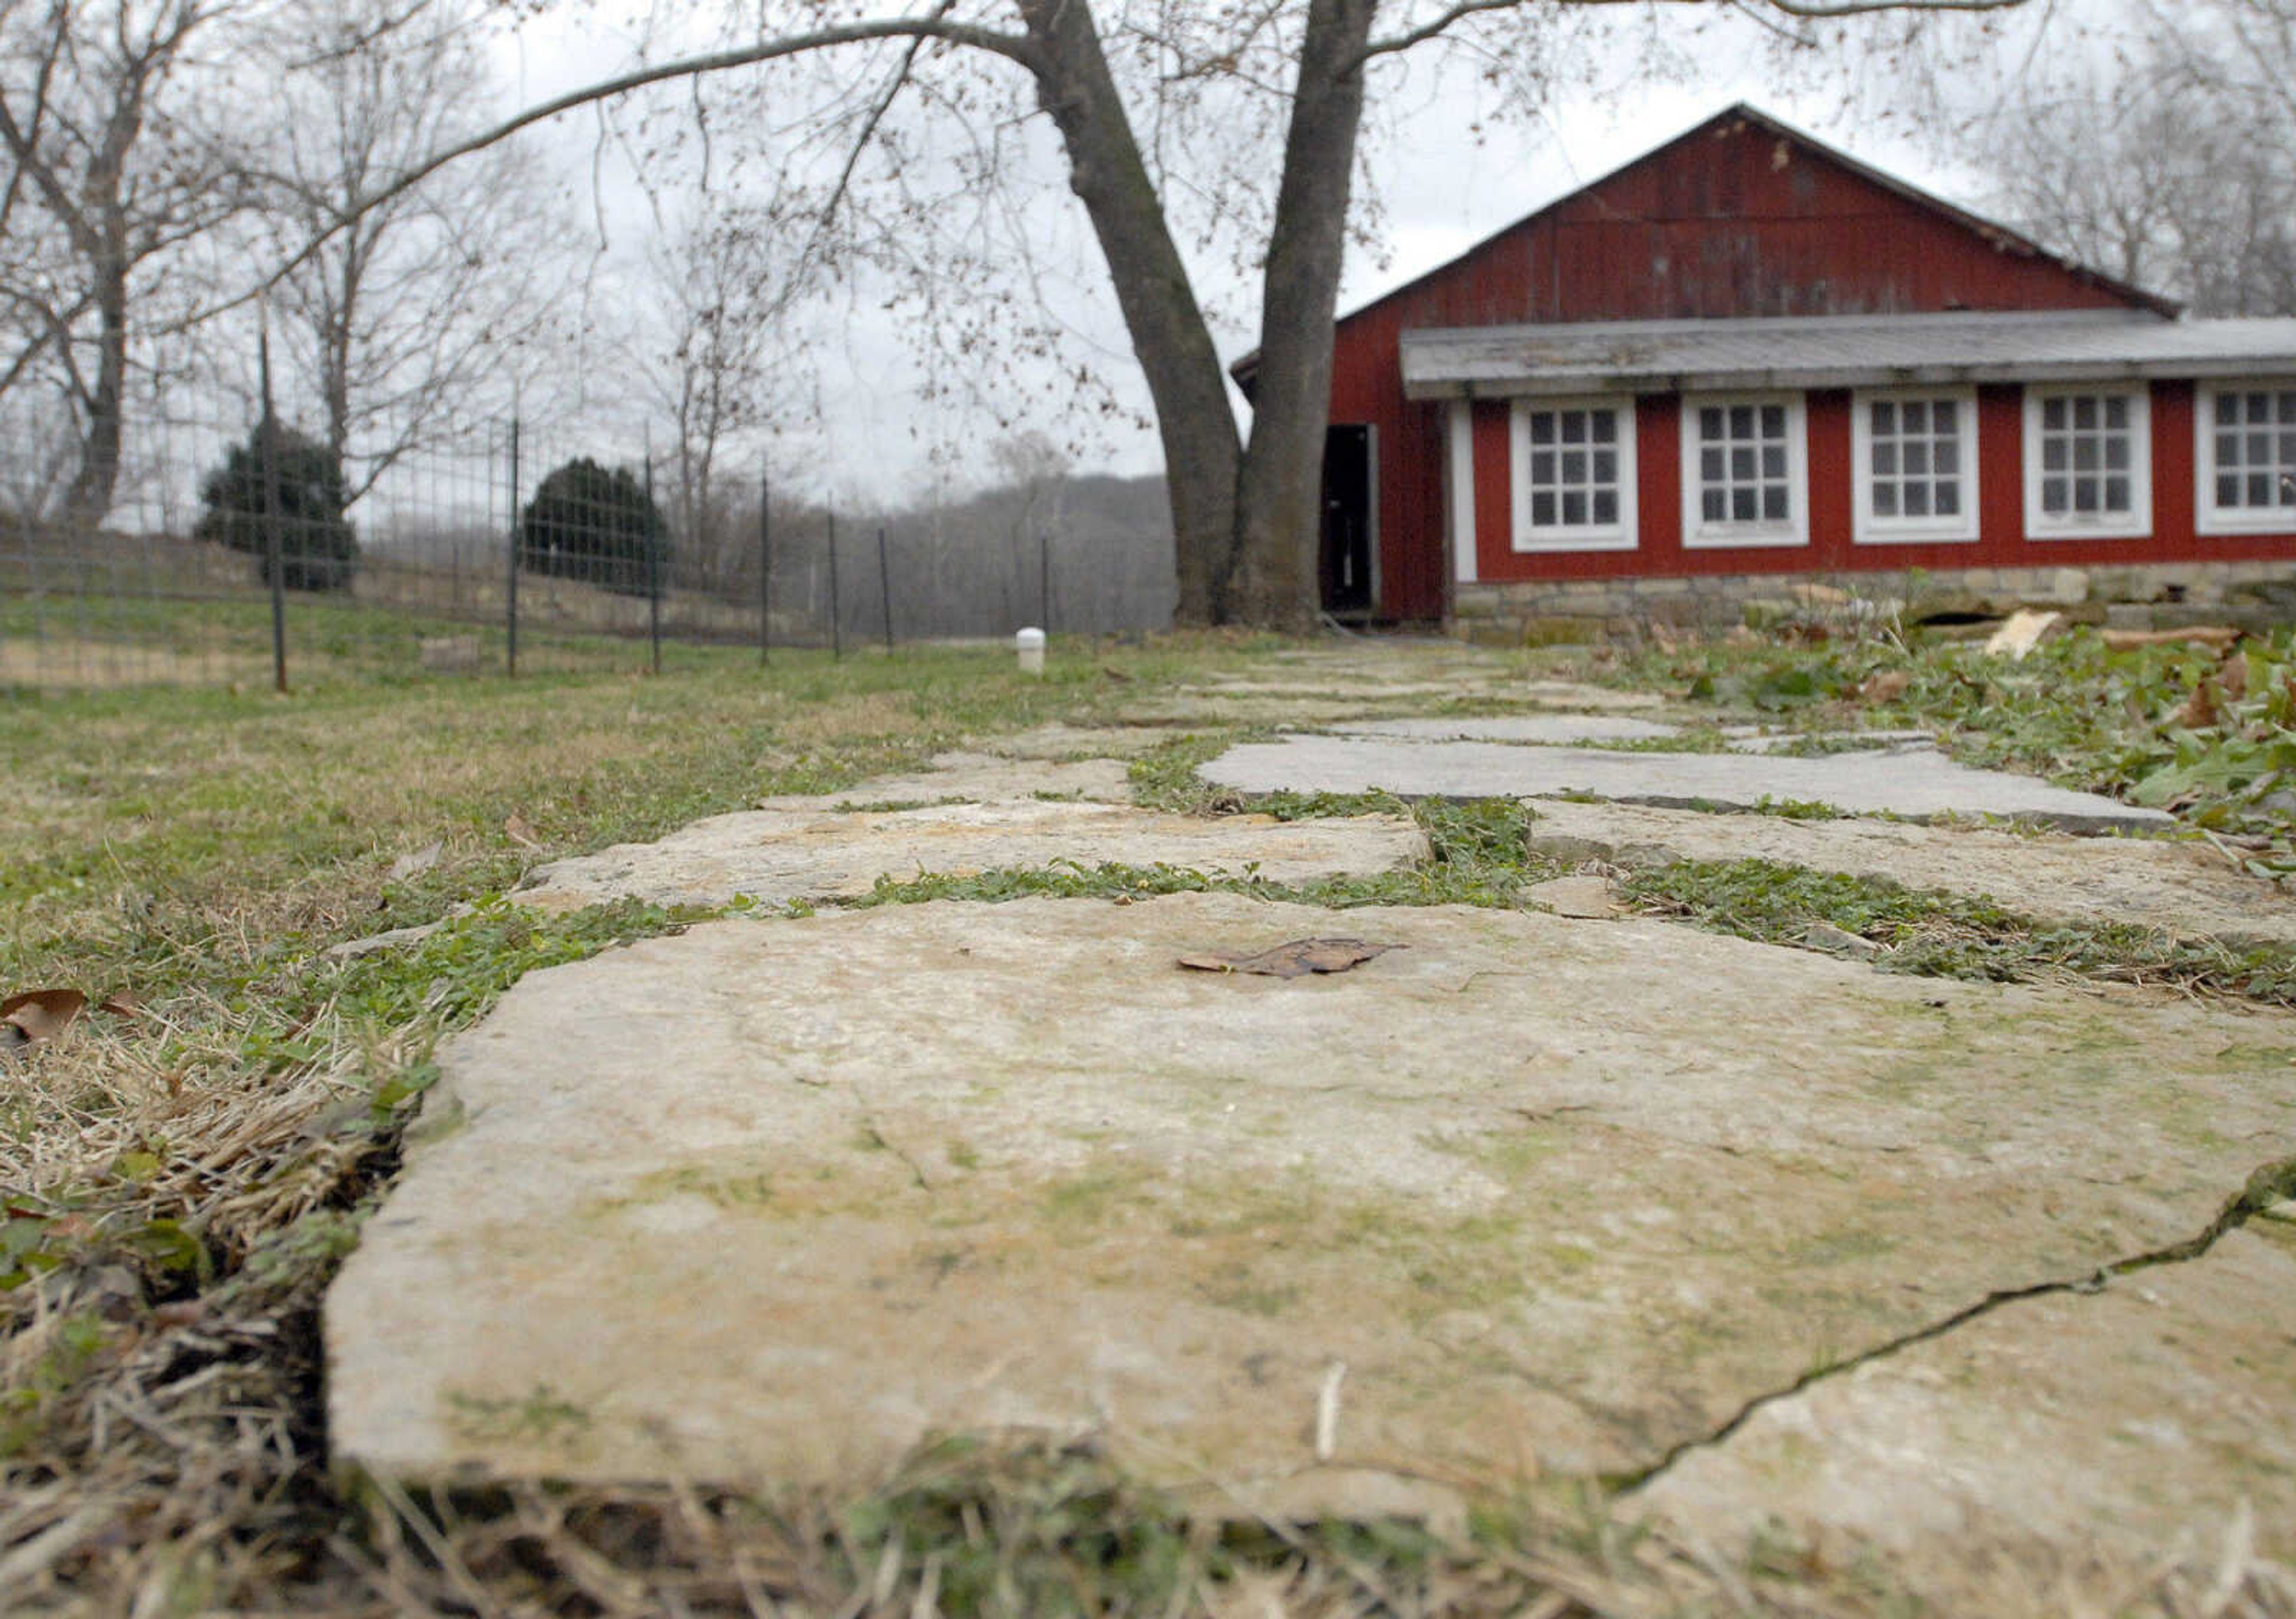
[[1297, 960], [38, 1014], [414, 865], [518, 831]]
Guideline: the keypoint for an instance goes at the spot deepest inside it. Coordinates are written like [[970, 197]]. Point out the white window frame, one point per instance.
[[1700, 535], [1869, 528], [2137, 522], [1618, 536], [2207, 516]]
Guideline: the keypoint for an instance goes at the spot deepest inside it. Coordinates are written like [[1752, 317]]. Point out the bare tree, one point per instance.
[[2172, 173], [420, 312], [1036, 470], [716, 284], [1244, 509], [103, 183]]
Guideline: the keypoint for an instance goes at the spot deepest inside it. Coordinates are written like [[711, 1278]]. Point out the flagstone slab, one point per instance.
[[2184, 887], [1183, 708], [1341, 698], [1077, 743], [778, 1199], [1745, 739], [1540, 729], [2149, 1412], [1919, 785], [973, 778], [775, 856]]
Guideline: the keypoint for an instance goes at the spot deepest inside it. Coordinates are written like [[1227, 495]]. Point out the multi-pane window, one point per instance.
[[1573, 475], [2248, 458], [1917, 459], [1742, 471], [2087, 462]]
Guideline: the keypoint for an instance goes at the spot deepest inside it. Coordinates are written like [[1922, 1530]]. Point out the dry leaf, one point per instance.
[[414, 865], [517, 831], [1886, 687], [123, 1005], [1297, 960], [2233, 676], [39, 1014], [2200, 713]]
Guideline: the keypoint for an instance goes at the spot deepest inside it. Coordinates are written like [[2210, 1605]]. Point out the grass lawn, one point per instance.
[[180, 1177]]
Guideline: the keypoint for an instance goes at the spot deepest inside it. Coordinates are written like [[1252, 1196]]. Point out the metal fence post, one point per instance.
[[653, 566], [1045, 581], [836, 629], [765, 569], [885, 587], [266, 433], [510, 559]]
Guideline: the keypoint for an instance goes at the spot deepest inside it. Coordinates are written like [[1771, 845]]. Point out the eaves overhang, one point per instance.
[[1835, 351]]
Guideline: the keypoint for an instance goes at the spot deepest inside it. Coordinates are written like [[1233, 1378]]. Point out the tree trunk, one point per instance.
[[1201, 450], [1271, 576], [88, 501]]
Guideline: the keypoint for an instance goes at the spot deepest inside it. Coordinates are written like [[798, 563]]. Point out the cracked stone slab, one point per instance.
[[1073, 743], [2186, 888], [778, 1198], [2143, 1414], [779, 855], [975, 778], [1919, 786], [1534, 728]]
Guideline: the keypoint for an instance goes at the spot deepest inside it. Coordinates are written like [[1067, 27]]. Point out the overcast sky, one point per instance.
[[1443, 187]]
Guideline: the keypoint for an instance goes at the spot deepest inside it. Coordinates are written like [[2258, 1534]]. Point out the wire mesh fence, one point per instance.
[[245, 553]]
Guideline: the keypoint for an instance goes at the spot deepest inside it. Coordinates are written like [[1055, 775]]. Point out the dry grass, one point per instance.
[[161, 1428], [90, 663], [189, 1177]]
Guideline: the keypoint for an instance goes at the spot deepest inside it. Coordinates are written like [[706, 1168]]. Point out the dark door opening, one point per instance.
[[1346, 555]]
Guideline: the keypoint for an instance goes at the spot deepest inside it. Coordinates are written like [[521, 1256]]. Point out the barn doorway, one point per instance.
[[1348, 587]]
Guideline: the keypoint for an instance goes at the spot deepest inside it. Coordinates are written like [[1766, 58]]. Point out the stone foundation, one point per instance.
[[1550, 612]]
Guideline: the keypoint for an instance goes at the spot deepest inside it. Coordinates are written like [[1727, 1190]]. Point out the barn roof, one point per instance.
[[2000, 235], [1835, 351]]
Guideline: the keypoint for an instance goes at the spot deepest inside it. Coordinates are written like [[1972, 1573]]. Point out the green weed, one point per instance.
[[1933, 933]]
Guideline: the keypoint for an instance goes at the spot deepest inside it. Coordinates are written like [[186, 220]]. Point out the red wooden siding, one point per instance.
[[2002, 541], [1734, 219]]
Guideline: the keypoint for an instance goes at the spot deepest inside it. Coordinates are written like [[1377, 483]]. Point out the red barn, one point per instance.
[[1746, 355]]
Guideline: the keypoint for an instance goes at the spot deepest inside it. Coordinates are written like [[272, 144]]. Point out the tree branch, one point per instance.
[[1815, 11], [936, 27], [877, 113]]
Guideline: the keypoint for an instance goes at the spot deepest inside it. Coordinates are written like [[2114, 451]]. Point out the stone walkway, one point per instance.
[[2182, 887], [1918, 784], [1521, 1200]]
